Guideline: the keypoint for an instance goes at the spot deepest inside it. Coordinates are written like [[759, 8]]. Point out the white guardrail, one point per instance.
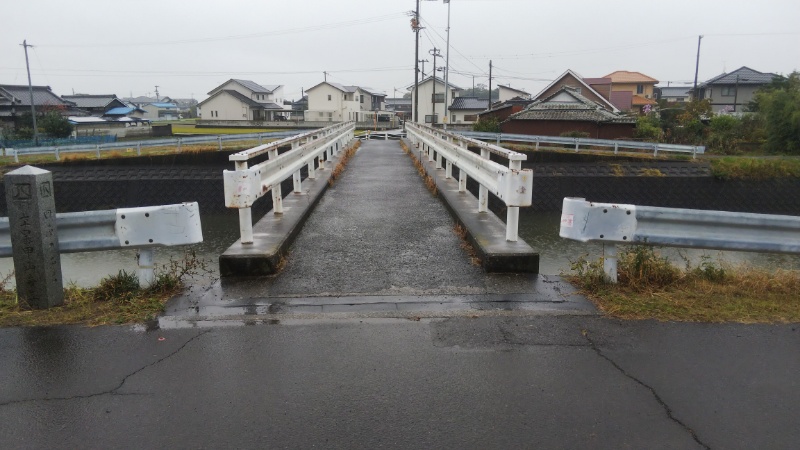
[[655, 147], [674, 227], [512, 184], [138, 145], [137, 228], [245, 185]]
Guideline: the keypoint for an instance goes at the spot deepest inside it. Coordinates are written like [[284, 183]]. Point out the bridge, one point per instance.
[[376, 239]]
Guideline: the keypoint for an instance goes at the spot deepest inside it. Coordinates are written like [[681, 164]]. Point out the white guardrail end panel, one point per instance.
[[585, 221], [159, 225], [242, 187], [515, 187]]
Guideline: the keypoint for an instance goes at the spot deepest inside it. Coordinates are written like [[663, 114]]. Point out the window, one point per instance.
[[640, 89], [431, 119], [728, 91], [362, 99], [329, 97], [471, 118], [437, 97]]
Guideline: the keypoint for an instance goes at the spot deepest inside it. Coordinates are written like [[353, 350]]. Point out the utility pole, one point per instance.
[[696, 67], [415, 26], [157, 96], [447, 68], [423, 61], [436, 54], [736, 93], [490, 85], [325, 74], [30, 92]]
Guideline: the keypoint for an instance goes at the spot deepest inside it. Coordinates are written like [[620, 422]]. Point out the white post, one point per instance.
[[179, 145], [297, 186], [219, 141], [277, 196], [462, 181], [512, 223], [145, 259], [483, 191], [448, 171], [97, 149], [610, 262], [438, 160], [139, 149], [245, 215], [58, 156]]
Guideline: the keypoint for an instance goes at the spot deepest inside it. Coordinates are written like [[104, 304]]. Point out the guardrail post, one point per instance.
[[497, 140], [512, 212], [245, 215], [34, 237], [145, 258], [610, 262], [655, 150], [219, 141], [179, 145], [438, 160], [277, 196], [260, 139], [462, 176], [577, 144], [537, 144], [616, 147], [16, 154], [139, 149], [58, 155], [483, 191], [97, 150]]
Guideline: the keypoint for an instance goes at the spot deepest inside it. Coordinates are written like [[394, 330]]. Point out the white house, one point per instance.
[[465, 110], [431, 110], [507, 93], [333, 102], [242, 100]]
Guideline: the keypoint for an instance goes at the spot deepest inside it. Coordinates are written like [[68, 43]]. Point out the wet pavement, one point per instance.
[[465, 382], [378, 244]]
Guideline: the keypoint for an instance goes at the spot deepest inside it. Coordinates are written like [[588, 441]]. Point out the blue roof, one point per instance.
[[165, 105], [120, 111]]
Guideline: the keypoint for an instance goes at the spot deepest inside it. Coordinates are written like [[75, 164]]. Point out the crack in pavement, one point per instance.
[[119, 386], [657, 397]]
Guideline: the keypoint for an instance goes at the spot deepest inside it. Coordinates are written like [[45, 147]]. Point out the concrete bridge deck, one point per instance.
[[378, 243]]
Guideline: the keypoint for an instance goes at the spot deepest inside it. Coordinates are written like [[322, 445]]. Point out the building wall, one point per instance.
[[341, 106], [571, 81], [557, 127], [508, 94], [720, 102], [425, 106], [631, 87], [225, 107], [152, 112], [459, 116]]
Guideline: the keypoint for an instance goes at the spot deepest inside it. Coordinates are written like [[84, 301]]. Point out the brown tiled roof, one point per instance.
[[624, 76], [638, 100]]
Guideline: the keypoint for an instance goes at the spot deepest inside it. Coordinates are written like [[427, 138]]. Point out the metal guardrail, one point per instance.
[[138, 145], [674, 227], [513, 185], [245, 185], [138, 228], [655, 147]]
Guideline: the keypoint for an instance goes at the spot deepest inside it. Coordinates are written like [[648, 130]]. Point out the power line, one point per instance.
[[350, 23]]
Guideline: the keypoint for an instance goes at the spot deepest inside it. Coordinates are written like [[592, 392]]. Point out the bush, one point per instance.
[[648, 128], [575, 134], [487, 125], [724, 134]]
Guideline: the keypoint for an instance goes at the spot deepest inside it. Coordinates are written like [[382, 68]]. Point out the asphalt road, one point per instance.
[[533, 381]]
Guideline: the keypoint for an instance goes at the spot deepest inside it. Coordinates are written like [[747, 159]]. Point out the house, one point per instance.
[[597, 90], [15, 101], [567, 110], [638, 89], [96, 105], [733, 91], [161, 111], [243, 100], [465, 110], [432, 109], [400, 106], [674, 94], [334, 102], [507, 93], [503, 110]]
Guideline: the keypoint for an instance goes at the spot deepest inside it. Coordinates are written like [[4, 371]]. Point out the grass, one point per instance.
[[461, 232], [117, 299], [741, 168], [339, 169], [651, 287]]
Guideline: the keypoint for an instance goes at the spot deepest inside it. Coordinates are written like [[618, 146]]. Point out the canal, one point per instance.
[[539, 229]]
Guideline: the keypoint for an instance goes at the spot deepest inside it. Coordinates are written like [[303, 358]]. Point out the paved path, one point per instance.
[[489, 382], [379, 242]]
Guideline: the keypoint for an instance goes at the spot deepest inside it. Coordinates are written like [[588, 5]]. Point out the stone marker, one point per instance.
[[34, 237]]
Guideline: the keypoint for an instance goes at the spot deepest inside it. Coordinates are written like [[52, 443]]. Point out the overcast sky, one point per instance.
[[188, 48]]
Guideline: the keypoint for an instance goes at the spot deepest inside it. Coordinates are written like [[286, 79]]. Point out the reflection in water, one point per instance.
[[539, 229]]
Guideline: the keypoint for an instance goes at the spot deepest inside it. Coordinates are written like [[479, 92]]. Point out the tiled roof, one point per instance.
[[341, 87], [372, 92], [597, 81], [579, 108], [90, 101], [746, 76], [42, 95], [513, 89], [249, 101], [438, 80], [624, 76], [638, 100], [120, 111], [471, 103]]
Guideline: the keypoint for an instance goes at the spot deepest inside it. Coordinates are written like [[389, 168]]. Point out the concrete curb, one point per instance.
[[485, 232], [274, 234]]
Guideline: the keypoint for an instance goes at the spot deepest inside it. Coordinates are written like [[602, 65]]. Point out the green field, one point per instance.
[[191, 129]]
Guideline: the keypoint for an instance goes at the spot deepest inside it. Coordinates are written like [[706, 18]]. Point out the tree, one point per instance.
[[480, 91], [779, 106], [55, 125]]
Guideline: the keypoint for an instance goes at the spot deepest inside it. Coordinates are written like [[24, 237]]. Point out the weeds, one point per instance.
[[430, 183], [651, 287], [461, 232], [616, 170], [117, 299], [339, 169], [650, 173], [755, 168]]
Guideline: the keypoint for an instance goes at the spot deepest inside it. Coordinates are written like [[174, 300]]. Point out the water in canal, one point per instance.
[[539, 229]]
